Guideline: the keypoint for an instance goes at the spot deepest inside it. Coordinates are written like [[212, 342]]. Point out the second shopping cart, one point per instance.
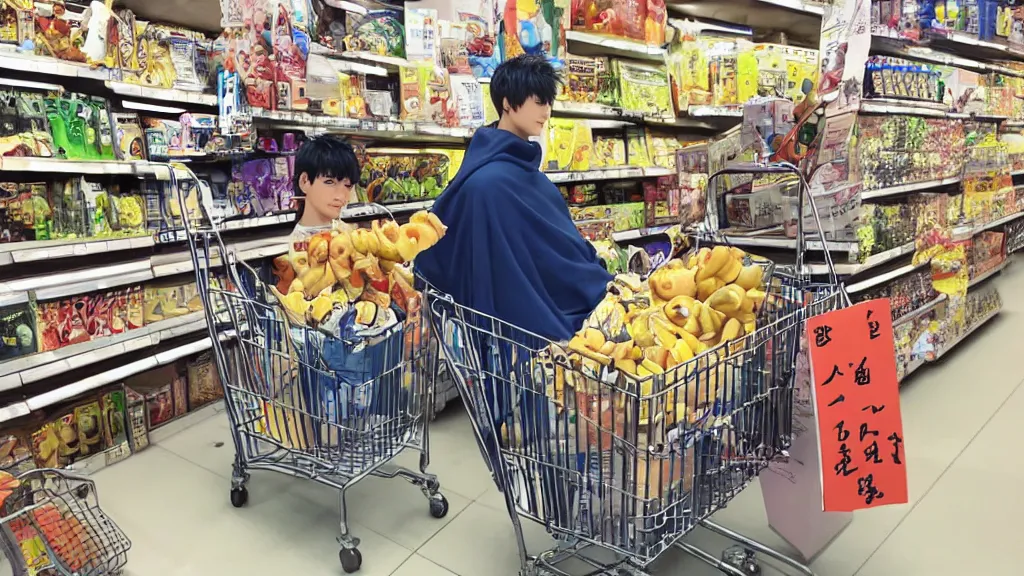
[[609, 458], [309, 404]]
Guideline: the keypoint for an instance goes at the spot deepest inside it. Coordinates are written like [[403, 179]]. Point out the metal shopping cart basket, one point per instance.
[[608, 461], [305, 403], [52, 521]]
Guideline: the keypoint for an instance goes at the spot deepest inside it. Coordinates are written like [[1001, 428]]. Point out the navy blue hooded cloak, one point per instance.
[[512, 250]]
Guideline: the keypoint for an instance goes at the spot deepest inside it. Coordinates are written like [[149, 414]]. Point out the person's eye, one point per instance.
[[329, 182]]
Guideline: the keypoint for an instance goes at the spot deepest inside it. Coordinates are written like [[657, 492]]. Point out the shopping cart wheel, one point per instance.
[[438, 506], [351, 560], [743, 559], [239, 496]]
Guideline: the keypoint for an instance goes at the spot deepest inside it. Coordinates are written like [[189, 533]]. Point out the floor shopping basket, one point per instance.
[[52, 524], [588, 457], [307, 404]]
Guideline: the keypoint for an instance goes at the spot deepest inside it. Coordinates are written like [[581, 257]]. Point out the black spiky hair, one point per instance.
[[521, 78], [324, 156]]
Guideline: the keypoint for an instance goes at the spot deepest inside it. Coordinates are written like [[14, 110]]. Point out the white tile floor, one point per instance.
[[962, 418]]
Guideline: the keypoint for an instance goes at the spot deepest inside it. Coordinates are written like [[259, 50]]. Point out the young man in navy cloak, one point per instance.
[[512, 252]]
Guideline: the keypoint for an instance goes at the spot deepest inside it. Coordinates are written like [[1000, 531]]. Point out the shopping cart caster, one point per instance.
[[743, 559], [351, 560], [438, 506], [239, 496]]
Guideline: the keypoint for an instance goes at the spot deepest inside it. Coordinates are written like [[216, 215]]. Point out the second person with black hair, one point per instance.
[[512, 250]]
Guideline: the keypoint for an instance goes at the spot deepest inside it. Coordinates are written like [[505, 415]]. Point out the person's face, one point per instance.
[[530, 118], [325, 196]]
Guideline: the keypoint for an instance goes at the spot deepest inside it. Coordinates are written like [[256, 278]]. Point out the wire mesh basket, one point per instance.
[[53, 520]]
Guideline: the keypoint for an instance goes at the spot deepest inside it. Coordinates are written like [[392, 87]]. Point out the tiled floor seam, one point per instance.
[[914, 506], [428, 540]]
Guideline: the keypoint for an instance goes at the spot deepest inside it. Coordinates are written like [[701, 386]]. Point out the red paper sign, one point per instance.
[[857, 399]]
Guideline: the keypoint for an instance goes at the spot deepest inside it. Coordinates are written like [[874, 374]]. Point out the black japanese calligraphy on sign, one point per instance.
[[857, 401], [822, 335], [896, 441], [843, 467], [866, 488], [873, 326], [862, 375], [835, 372]]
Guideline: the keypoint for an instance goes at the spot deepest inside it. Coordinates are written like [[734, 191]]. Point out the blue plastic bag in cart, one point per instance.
[[353, 377]]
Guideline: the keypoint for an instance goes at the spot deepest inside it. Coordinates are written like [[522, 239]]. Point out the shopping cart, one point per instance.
[[595, 459], [53, 521], [304, 403]]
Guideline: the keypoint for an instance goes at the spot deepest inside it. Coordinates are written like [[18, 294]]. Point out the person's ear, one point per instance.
[[505, 107], [304, 183]]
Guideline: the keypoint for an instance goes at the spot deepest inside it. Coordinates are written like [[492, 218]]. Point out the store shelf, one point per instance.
[[978, 228], [181, 262], [988, 274], [715, 111], [889, 106], [945, 349], [371, 129], [590, 44], [969, 46], [392, 63], [872, 261], [79, 281], [627, 235], [784, 243], [164, 94], [883, 278], [796, 18], [353, 212], [607, 174], [907, 188], [21, 252], [20, 62], [115, 375], [594, 110], [924, 309], [43, 365], [61, 166], [913, 367], [900, 48]]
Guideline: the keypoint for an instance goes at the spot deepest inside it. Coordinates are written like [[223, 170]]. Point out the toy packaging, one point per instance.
[[469, 99], [581, 83], [115, 430], [644, 88], [203, 383], [421, 35], [88, 419], [129, 137], [17, 329], [536, 27], [378, 31], [628, 216], [400, 175], [24, 124], [661, 200], [569, 145], [135, 413], [25, 213], [16, 449]]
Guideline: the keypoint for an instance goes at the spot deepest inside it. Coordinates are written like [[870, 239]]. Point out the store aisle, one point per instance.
[[962, 419]]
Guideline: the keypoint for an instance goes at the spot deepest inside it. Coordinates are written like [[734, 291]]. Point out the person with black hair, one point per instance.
[[512, 251], [326, 171]]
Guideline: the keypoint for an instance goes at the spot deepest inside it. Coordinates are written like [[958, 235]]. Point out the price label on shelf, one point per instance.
[[857, 401]]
